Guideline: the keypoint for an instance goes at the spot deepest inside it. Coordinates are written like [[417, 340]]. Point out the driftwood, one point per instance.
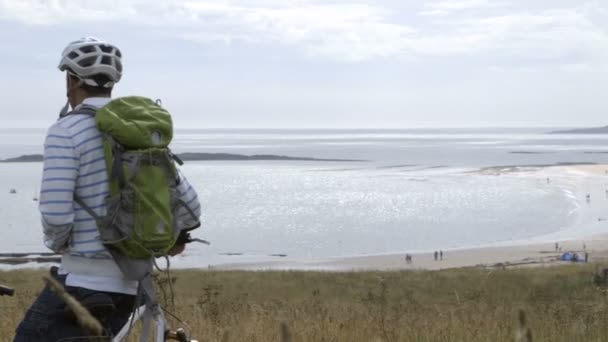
[[24, 260], [21, 255], [84, 317]]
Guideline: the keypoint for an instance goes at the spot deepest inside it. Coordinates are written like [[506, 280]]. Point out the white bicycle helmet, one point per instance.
[[89, 57]]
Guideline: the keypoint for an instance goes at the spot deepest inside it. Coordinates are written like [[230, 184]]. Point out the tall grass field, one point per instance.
[[534, 304]]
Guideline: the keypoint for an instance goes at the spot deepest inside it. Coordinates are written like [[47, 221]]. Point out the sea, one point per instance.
[[397, 191]]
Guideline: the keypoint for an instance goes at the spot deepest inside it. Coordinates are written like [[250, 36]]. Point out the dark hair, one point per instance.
[[95, 91]]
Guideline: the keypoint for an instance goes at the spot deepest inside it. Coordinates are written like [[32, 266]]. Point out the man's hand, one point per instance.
[[177, 249]]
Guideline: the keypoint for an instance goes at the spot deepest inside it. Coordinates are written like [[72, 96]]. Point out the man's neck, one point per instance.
[[96, 101], [80, 98]]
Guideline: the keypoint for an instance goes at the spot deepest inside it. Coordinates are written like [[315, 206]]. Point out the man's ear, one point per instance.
[[72, 83], [71, 80]]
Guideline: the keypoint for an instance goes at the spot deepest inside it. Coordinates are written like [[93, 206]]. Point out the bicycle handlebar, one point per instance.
[[6, 291], [178, 335], [185, 237]]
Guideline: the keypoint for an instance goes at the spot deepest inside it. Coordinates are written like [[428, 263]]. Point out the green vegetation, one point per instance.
[[559, 304]]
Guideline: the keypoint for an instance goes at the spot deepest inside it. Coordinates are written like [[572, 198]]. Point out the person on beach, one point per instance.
[[556, 246], [75, 177], [436, 255], [440, 255]]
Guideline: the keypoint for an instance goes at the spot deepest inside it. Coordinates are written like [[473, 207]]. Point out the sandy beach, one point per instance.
[[589, 235], [533, 255]]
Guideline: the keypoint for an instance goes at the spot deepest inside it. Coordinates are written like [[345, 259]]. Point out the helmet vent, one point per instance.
[[106, 48], [87, 49], [107, 60], [73, 55], [87, 61]]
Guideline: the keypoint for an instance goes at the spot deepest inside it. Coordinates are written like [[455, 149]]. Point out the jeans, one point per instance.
[[50, 320]]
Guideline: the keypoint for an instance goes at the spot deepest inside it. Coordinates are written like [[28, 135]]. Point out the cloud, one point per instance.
[[515, 34], [457, 5], [547, 32], [444, 8], [342, 31], [53, 12], [337, 30], [350, 30]]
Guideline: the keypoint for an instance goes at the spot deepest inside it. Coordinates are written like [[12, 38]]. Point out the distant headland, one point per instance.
[[30, 158], [596, 130]]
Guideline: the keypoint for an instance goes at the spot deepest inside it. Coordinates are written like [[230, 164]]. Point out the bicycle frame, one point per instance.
[[160, 328], [159, 322]]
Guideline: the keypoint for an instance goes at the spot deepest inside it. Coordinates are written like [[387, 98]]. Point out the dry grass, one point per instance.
[[543, 304]]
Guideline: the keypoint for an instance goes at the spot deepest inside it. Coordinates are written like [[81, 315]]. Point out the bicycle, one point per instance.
[[162, 332]]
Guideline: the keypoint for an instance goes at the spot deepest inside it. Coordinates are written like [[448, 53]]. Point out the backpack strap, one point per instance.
[[86, 110], [82, 109], [117, 171], [177, 159], [88, 209]]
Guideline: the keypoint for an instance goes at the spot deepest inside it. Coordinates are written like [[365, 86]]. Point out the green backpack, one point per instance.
[[140, 222]]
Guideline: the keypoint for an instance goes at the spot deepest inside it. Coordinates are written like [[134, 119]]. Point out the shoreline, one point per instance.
[[203, 156], [590, 230], [537, 255]]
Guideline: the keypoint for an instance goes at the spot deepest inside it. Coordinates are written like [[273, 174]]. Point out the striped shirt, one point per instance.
[[74, 163]]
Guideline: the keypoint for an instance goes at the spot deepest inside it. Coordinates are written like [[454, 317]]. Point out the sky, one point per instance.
[[323, 63]]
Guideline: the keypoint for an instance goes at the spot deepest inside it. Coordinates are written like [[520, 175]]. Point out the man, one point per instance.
[[74, 165]]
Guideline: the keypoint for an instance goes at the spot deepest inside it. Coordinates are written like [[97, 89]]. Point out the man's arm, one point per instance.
[[59, 176], [186, 220]]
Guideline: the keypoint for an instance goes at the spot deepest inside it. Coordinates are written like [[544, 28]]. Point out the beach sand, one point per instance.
[[590, 234], [537, 255]]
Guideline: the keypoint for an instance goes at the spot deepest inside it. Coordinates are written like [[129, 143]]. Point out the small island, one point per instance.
[[30, 158]]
